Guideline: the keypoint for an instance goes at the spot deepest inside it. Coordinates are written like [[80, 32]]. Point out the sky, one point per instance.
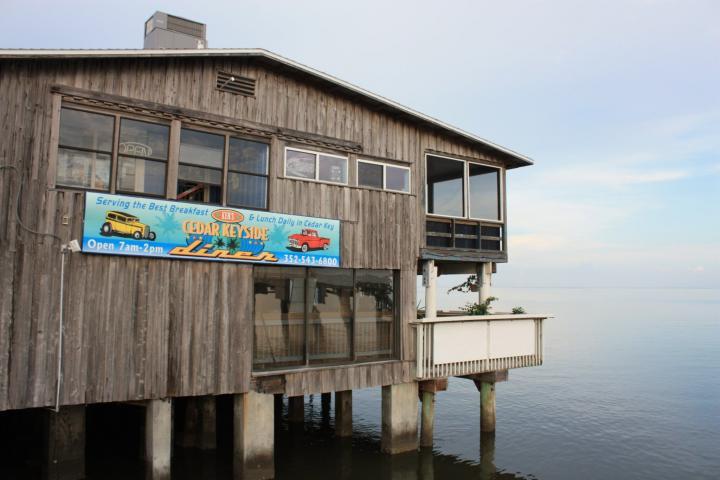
[[617, 102]]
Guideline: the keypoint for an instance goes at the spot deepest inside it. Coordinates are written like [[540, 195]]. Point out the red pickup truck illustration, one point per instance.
[[308, 240]]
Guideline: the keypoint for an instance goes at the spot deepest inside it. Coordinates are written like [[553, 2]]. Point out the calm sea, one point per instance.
[[630, 389]]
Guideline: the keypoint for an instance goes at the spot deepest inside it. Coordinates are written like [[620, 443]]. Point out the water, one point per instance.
[[630, 388]]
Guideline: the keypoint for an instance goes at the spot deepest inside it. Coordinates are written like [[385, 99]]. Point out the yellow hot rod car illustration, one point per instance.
[[126, 225]]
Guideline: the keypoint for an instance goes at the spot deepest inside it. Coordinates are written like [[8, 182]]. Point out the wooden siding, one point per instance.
[[148, 328]]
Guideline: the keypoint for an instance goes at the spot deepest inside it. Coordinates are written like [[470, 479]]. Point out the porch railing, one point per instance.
[[465, 345]]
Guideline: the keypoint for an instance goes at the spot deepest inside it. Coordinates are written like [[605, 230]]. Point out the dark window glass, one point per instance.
[[247, 190], [484, 192], [248, 157], [439, 241], [144, 139], [466, 243], [398, 179], [85, 149], [140, 175], [445, 186], [375, 315], [200, 166], [202, 149], [247, 173], [330, 315], [332, 169], [78, 168], [91, 131], [143, 152], [370, 175], [279, 336], [299, 164]]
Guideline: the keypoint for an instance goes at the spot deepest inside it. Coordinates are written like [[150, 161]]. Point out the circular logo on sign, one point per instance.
[[227, 216]]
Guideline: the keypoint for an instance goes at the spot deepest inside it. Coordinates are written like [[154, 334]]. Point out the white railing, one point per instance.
[[465, 345]]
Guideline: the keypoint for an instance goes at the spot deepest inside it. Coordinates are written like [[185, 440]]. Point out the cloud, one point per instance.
[[612, 177]]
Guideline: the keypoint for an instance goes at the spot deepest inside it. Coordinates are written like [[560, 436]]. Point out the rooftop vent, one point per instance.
[[168, 31], [233, 83]]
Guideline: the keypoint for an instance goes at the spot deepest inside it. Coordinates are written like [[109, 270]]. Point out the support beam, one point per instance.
[[65, 443], [484, 276], [325, 401], [254, 433], [427, 419], [343, 413], [207, 433], [190, 423], [399, 418], [158, 438], [296, 409], [430, 283], [487, 407]]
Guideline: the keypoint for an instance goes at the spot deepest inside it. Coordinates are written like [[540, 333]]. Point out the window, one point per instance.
[[384, 176], [247, 174], [316, 316], [200, 166], [483, 192], [456, 188], [316, 166], [85, 149], [445, 186], [142, 157]]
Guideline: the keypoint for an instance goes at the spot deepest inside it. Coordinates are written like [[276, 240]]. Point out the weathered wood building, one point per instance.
[[240, 130]]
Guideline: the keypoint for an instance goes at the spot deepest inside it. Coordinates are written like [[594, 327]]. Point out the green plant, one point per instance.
[[481, 308], [518, 310], [469, 285]]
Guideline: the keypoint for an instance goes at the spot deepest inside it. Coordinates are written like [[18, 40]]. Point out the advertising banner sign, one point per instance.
[[123, 225]]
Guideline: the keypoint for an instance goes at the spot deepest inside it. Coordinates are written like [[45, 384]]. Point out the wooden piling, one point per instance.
[[487, 407], [343, 413], [65, 443], [427, 419], [296, 409]]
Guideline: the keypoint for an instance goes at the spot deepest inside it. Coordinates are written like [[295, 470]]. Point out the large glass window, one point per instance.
[[142, 157], [483, 192], [311, 316], [456, 188], [200, 167], [385, 176], [247, 174], [374, 320], [445, 186], [316, 166], [330, 315], [85, 149], [279, 335]]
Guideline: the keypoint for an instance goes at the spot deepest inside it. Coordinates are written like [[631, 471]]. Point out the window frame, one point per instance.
[[384, 165], [229, 170], [317, 166], [116, 158], [172, 162], [355, 359], [466, 190], [112, 153]]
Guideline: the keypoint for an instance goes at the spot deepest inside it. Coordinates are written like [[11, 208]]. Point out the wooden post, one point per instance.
[[254, 434], [325, 401], [296, 409], [207, 433], [65, 443], [158, 438], [487, 407], [427, 419], [399, 418], [343, 413]]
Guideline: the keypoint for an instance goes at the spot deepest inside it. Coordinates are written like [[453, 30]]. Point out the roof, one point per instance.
[[516, 159]]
